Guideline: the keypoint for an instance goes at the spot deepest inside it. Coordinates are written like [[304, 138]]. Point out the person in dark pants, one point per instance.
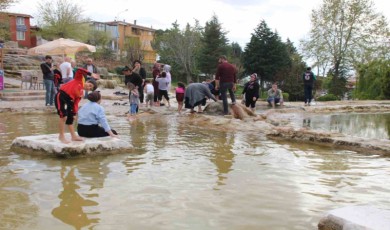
[[225, 80], [196, 95], [251, 92], [137, 68], [308, 83], [156, 72], [132, 77], [90, 116]]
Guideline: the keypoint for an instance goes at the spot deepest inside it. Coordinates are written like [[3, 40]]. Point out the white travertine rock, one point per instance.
[[50, 145], [356, 218]]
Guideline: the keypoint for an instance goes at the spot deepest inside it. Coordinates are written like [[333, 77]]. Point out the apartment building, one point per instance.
[[127, 37], [19, 28]]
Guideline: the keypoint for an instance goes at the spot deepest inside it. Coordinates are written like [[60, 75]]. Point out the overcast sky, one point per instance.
[[290, 18]]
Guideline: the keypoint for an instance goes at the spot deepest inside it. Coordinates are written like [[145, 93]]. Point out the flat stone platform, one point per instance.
[[49, 145], [356, 218]]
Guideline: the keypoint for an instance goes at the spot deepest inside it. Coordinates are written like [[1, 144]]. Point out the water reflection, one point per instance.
[[359, 125], [182, 175], [222, 155], [71, 209]]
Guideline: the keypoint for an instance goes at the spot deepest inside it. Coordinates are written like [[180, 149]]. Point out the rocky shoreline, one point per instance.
[[275, 123]]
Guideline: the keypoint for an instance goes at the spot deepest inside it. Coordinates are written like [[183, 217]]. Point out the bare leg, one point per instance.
[[199, 109], [75, 137], [61, 136], [179, 106]]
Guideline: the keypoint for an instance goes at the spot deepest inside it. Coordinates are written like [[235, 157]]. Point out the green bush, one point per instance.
[[285, 96], [328, 97]]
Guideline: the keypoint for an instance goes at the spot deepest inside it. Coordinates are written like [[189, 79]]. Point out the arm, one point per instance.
[[76, 105], [244, 90], [208, 93], [101, 117], [257, 88], [281, 94]]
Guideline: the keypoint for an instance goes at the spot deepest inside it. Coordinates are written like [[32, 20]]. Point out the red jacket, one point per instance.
[[75, 87], [226, 72]]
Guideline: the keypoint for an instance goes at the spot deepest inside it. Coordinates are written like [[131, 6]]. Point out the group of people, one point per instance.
[[140, 89], [55, 75], [66, 86]]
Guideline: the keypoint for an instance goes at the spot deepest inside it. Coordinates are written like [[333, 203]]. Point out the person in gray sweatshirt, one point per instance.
[[196, 95]]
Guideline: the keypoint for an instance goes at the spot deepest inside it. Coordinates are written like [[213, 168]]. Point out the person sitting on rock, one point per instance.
[[92, 120], [275, 96]]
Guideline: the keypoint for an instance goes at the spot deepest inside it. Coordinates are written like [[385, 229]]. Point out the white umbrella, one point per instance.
[[62, 47]]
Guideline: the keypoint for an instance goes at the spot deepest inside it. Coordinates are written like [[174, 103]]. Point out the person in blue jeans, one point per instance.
[[48, 80], [134, 100]]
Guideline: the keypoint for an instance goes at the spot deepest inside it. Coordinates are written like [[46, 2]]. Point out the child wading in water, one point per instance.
[[67, 102], [134, 100], [149, 92], [180, 90]]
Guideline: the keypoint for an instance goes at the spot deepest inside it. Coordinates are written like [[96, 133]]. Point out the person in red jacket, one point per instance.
[[67, 102]]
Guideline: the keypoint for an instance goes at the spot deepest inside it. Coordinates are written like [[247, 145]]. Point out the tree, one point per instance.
[[291, 77], [346, 33], [213, 44], [265, 54], [4, 20], [179, 48], [134, 49], [4, 4], [101, 40], [235, 56], [374, 80], [62, 19], [4, 27]]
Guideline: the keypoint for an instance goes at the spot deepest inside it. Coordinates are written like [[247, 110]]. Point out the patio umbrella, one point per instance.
[[62, 47]]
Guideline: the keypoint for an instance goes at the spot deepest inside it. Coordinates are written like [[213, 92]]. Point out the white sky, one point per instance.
[[290, 18]]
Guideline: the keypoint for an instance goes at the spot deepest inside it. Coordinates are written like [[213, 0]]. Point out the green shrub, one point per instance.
[[328, 97], [285, 96]]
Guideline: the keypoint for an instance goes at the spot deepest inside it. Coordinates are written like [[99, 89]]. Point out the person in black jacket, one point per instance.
[[137, 68], [308, 82], [251, 92], [48, 79], [132, 77]]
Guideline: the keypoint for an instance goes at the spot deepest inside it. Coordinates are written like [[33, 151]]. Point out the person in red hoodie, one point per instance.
[[67, 102]]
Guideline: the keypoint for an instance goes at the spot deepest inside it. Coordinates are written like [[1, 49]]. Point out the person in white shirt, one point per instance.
[[66, 70], [163, 84], [149, 92]]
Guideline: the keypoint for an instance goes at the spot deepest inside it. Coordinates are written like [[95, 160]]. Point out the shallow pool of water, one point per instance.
[[182, 177], [366, 125]]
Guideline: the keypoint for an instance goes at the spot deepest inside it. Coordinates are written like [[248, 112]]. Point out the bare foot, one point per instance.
[[64, 140], [77, 138]]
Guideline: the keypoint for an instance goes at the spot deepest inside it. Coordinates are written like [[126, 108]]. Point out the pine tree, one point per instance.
[[265, 54], [213, 45]]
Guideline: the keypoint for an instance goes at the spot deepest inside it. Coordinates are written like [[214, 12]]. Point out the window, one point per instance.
[[20, 35], [19, 21]]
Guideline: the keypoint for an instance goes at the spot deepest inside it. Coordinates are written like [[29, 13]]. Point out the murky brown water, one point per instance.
[[366, 125], [182, 177]]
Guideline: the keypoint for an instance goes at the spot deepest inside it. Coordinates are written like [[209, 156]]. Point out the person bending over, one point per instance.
[[67, 102]]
